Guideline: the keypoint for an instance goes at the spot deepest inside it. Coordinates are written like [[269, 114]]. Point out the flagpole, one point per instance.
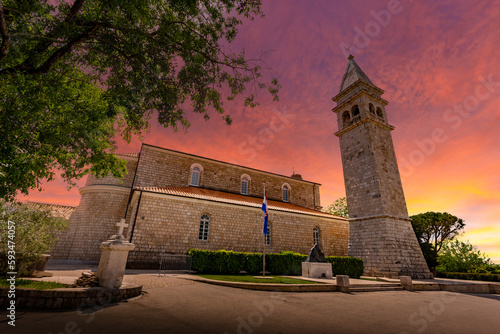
[[264, 258], [264, 246]]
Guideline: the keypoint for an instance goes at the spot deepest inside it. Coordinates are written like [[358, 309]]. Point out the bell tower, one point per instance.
[[380, 231]]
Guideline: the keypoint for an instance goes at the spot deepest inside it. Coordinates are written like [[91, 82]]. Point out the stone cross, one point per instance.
[[121, 226]]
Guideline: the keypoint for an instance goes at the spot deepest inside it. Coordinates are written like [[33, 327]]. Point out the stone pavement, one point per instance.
[[149, 279], [183, 307]]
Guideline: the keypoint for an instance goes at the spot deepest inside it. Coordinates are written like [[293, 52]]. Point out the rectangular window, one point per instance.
[[244, 187], [195, 177], [204, 228]]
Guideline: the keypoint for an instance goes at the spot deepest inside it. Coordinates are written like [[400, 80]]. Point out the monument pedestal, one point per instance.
[[113, 261], [317, 269]]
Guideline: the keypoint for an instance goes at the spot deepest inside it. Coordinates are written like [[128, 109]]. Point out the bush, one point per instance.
[[285, 263], [470, 276], [34, 231], [253, 263], [462, 257], [217, 262], [344, 265]]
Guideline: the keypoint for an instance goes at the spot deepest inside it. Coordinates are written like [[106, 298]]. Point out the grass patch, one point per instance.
[[29, 284], [251, 279]]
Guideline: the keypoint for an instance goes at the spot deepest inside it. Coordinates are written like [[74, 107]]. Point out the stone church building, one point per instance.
[[173, 201]]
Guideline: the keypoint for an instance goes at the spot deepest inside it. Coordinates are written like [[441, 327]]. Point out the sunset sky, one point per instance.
[[439, 64]]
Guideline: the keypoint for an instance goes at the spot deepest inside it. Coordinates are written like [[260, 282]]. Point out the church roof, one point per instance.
[[237, 199], [352, 74], [63, 211], [134, 155]]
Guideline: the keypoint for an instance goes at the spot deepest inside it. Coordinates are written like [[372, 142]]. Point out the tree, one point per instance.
[[72, 74], [433, 229], [28, 232], [339, 208], [462, 257]]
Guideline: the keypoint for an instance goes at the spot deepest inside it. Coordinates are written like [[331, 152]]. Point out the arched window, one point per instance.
[[380, 113], [268, 235], [355, 111], [346, 117], [371, 108], [245, 184], [196, 171], [316, 235], [204, 228], [286, 192]]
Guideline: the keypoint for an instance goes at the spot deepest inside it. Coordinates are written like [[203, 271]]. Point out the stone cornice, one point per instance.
[[359, 82], [377, 217], [101, 187], [361, 121], [361, 92]]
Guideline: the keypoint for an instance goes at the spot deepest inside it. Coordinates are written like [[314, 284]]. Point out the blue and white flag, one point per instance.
[[264, 208]]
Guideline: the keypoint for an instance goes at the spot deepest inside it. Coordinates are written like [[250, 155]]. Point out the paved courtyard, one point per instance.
[[174, 305]]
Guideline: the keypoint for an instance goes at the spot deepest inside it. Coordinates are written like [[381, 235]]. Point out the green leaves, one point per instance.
[[459, 256], [35, 233], [433, 229], [339, 208], [73, 71], [59, 119]]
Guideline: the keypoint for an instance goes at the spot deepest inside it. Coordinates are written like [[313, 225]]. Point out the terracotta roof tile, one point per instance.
[[135, 155], [63, 211], [230, 198]]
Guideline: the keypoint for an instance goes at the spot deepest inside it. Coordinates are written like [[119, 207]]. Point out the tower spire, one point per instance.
[[352, 74]]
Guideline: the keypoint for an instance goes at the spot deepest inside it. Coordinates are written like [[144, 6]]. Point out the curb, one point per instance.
[[477, 288], [67, 298], [269, 286]]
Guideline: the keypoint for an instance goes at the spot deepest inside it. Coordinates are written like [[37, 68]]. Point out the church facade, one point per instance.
[[173, 201]]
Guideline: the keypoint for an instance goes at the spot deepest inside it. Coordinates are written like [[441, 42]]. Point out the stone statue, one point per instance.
[[316, 255]]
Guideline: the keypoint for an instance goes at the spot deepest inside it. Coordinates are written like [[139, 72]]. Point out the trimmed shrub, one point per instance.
[[285, 263], [344, 265], [217, 262], [253, 263], [470, 276]]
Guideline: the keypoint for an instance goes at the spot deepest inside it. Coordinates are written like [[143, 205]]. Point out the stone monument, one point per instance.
[[114, 259], [380, 231], [316, 265]]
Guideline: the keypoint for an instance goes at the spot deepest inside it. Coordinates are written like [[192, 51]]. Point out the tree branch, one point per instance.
[[45, 67]]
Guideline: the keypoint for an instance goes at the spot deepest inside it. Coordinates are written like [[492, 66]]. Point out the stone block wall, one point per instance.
[[164, 168], [388, 247], [373, 184], [169, 224], [102, 205], [92, 222]]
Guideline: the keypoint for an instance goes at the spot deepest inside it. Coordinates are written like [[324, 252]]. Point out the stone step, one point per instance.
[[375, 288], [379, 285]]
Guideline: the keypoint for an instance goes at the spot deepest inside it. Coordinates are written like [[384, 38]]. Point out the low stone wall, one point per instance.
[[67, 298]]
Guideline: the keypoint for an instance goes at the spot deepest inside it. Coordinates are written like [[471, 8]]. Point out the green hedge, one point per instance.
[[344, 265], [470, 276], [284, 263], [253, 263], [217, 262]]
